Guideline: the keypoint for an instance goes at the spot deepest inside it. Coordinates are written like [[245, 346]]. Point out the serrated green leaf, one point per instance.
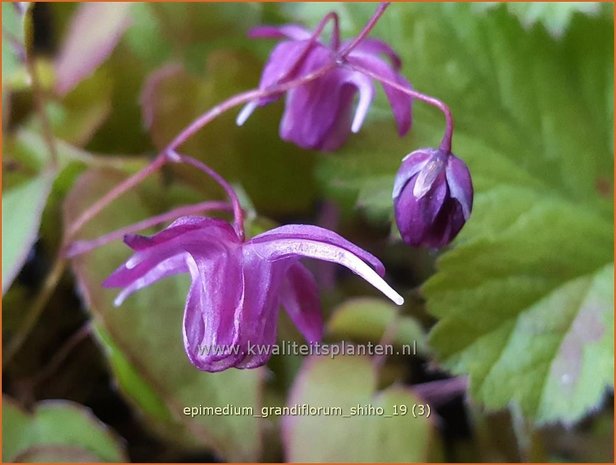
[[509, 298], [555, 16], [147, 352], [61, 431], [360, 433], [534, 122]]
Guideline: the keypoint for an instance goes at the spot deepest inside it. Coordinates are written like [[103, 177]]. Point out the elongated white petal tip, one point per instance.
[[396, 298], [245, 113]]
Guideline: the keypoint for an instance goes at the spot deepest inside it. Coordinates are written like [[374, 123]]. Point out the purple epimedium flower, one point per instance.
[[319, 114], [238, 286], [433, 197]]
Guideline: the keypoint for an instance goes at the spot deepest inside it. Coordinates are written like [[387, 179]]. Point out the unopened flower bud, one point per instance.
[[433, 197]]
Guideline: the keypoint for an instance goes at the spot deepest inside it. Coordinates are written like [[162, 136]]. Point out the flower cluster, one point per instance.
[[238, 285], [319, 114]]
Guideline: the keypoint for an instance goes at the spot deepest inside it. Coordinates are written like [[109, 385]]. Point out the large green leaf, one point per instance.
[[356, 423], [57, 431], [534, 122], [143, 341], [528, 301]]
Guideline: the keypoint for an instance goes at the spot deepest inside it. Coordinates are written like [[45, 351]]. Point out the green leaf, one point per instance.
[[534, 122], [554, 16], [143, 339], [15, 24], [357, 423], [535, 307], [22, 208], [366, 319], [58, 431]]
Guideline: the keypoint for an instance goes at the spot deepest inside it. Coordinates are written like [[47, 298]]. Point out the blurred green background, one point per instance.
[[519, 308]]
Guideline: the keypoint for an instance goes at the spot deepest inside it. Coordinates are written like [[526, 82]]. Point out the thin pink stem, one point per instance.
[[194, 127], [366, 30], [332, 15], [238, 213], [240, 99], [110, 196], [336, 30], [81, 247], [446, 141]]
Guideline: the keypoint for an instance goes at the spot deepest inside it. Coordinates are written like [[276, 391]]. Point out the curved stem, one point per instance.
[[195, 126], [81, 247], [449, 125], [335, 30], [114, 193], [238, 213], [366, 30]]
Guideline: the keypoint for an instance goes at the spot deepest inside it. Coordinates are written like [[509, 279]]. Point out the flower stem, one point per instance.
[[365, 31], [332, 15], [114, 193], [81, 247], [446, 141], [238, 213], [167, 154]]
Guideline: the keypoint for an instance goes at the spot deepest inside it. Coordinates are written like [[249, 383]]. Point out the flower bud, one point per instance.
[[433, 197]]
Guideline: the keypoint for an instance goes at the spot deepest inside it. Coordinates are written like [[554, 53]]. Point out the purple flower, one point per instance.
[[319, 114], [237, 287], [433, 197]]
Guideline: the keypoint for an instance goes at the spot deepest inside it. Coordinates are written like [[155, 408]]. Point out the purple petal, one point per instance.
[[366, 94], [183, 225], [213, 310], [278, 246], [460, 184], [300, 298], [400, 102], [157, 262], [282, 63], [318, 114], [94, 32], [311, 232], [415, 217], [313, 109], [431, 171], [169, 267], [290, 31], [376, 47], [412, 164], [262, 288]]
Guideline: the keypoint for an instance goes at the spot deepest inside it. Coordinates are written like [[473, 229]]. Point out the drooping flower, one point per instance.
[[237, 286], [433, 197], [319, 114]]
